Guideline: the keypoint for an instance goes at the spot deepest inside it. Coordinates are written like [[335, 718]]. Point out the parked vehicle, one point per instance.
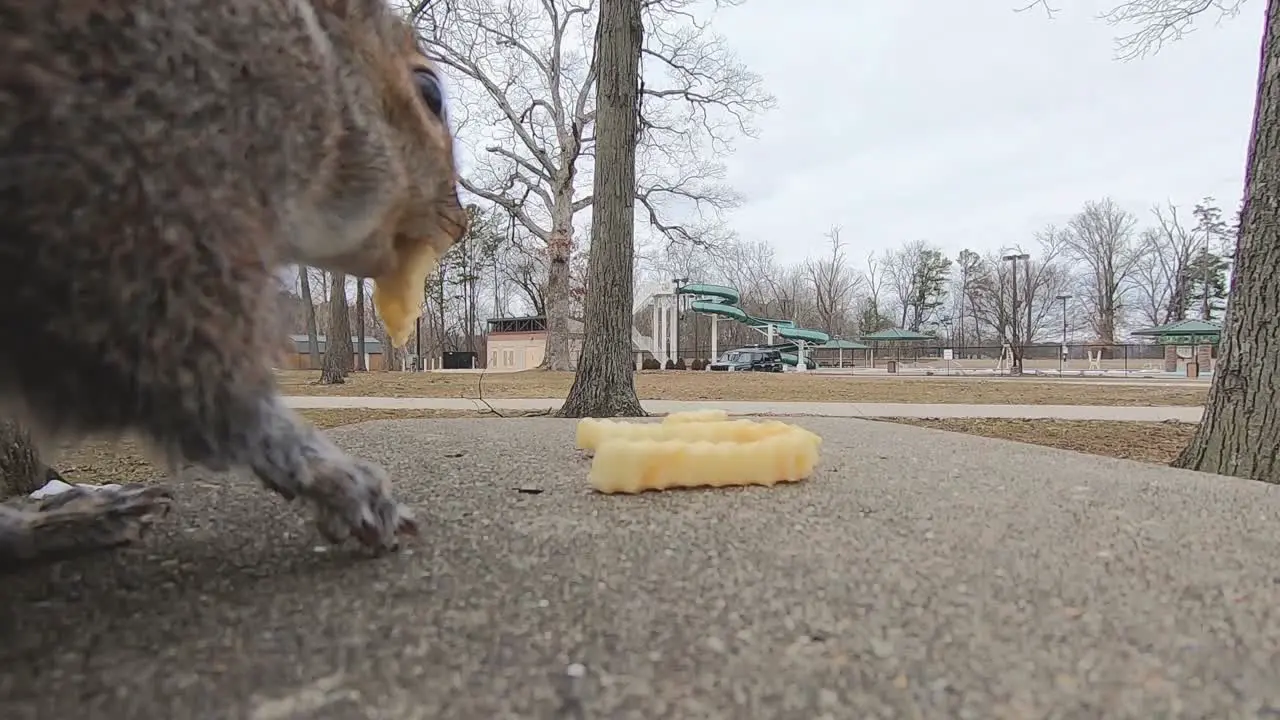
[[760, 358]]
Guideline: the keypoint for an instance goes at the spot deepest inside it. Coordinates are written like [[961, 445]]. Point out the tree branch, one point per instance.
[[516, 208]]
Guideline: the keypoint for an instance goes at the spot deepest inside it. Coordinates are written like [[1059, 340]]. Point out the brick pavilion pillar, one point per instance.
[[1204, 356]]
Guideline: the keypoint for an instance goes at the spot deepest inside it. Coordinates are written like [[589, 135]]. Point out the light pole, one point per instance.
[[946, 324], [1062, 356], [675, 316], [1017, 350]]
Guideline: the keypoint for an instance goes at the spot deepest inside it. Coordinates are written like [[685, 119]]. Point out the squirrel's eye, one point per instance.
[[429, 88]]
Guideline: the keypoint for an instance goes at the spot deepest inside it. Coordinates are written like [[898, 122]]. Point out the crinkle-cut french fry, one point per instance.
[[397, 297], [634, 466], [593, 432], [693, 416]]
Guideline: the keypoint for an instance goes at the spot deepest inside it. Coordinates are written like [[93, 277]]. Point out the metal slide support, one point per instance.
[[715, 336]]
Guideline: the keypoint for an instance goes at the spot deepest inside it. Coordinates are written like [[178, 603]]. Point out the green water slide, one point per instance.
[[723, 301]]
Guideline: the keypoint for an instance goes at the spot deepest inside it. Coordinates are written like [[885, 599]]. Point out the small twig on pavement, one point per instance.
[[480, 394]]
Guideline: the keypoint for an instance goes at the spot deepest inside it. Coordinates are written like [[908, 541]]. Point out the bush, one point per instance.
[[650, 364], [670, 365], [698, 364], [680, 364]]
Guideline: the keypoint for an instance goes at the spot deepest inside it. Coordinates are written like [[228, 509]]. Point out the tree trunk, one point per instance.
[[559, 248], [21, 471], [313, 333], [604, 385], [392, 358], [360, 330], [442, 335], [337, 349], [1240, 432]]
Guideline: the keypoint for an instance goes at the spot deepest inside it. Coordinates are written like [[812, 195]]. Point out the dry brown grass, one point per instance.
[[786, 387], [102, 462], [1153, 442]]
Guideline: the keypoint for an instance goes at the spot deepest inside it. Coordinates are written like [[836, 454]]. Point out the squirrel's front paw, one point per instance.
[[358, 503]]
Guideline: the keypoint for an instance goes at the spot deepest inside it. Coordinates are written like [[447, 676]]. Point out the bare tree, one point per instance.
[[967, 294], [531, 70], [393, 358], [918, 273], [604, 385], [1160, 282], [1048, 275], [524, 270], [1100, 236], [834, 285], [872, 317], [750, 267], [313, 332], [1041, 279], [991, 299], [791, 296], [338, 352], [1157, 22]]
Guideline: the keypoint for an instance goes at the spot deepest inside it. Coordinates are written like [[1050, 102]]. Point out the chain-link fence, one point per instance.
[[1042, 359]]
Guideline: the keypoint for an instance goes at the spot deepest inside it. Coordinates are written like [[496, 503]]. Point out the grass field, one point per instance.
[[752, 386], [101, 462], [1152, 442]]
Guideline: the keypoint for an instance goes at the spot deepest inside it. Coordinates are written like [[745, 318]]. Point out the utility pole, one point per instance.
[[1013, 314], [676, 283], [1062, 354]]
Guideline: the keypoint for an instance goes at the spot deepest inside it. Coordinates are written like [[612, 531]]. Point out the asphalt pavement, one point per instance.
[[918, 574]]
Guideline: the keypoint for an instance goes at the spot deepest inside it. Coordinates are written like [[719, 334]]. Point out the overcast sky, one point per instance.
[[969, 125]]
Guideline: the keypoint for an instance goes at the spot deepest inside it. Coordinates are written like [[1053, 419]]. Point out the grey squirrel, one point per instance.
[[160, 161]]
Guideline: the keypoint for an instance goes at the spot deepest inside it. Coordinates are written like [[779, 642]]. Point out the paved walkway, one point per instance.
[[917, 574], [898, 410]]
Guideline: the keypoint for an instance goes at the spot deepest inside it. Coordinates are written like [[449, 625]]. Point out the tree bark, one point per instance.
[[21, 471], [559, 250], [604, 385], [1240, 432], [338, 353], [392, 358], [313, 333]]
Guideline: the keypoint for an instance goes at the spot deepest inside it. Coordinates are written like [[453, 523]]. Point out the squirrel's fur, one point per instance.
[[160, 162]]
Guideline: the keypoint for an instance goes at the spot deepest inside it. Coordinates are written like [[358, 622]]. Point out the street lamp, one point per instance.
[[1017, 351], [1062, 356], [946, 324], [675, 315]]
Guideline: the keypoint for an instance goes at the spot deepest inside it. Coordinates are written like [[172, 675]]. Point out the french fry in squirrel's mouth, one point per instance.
[[686, 452], [398, 296]]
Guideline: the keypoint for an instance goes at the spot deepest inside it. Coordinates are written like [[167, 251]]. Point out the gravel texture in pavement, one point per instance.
[[918, 574]]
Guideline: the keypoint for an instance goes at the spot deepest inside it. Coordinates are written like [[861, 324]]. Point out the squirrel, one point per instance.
[[161, 161]]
